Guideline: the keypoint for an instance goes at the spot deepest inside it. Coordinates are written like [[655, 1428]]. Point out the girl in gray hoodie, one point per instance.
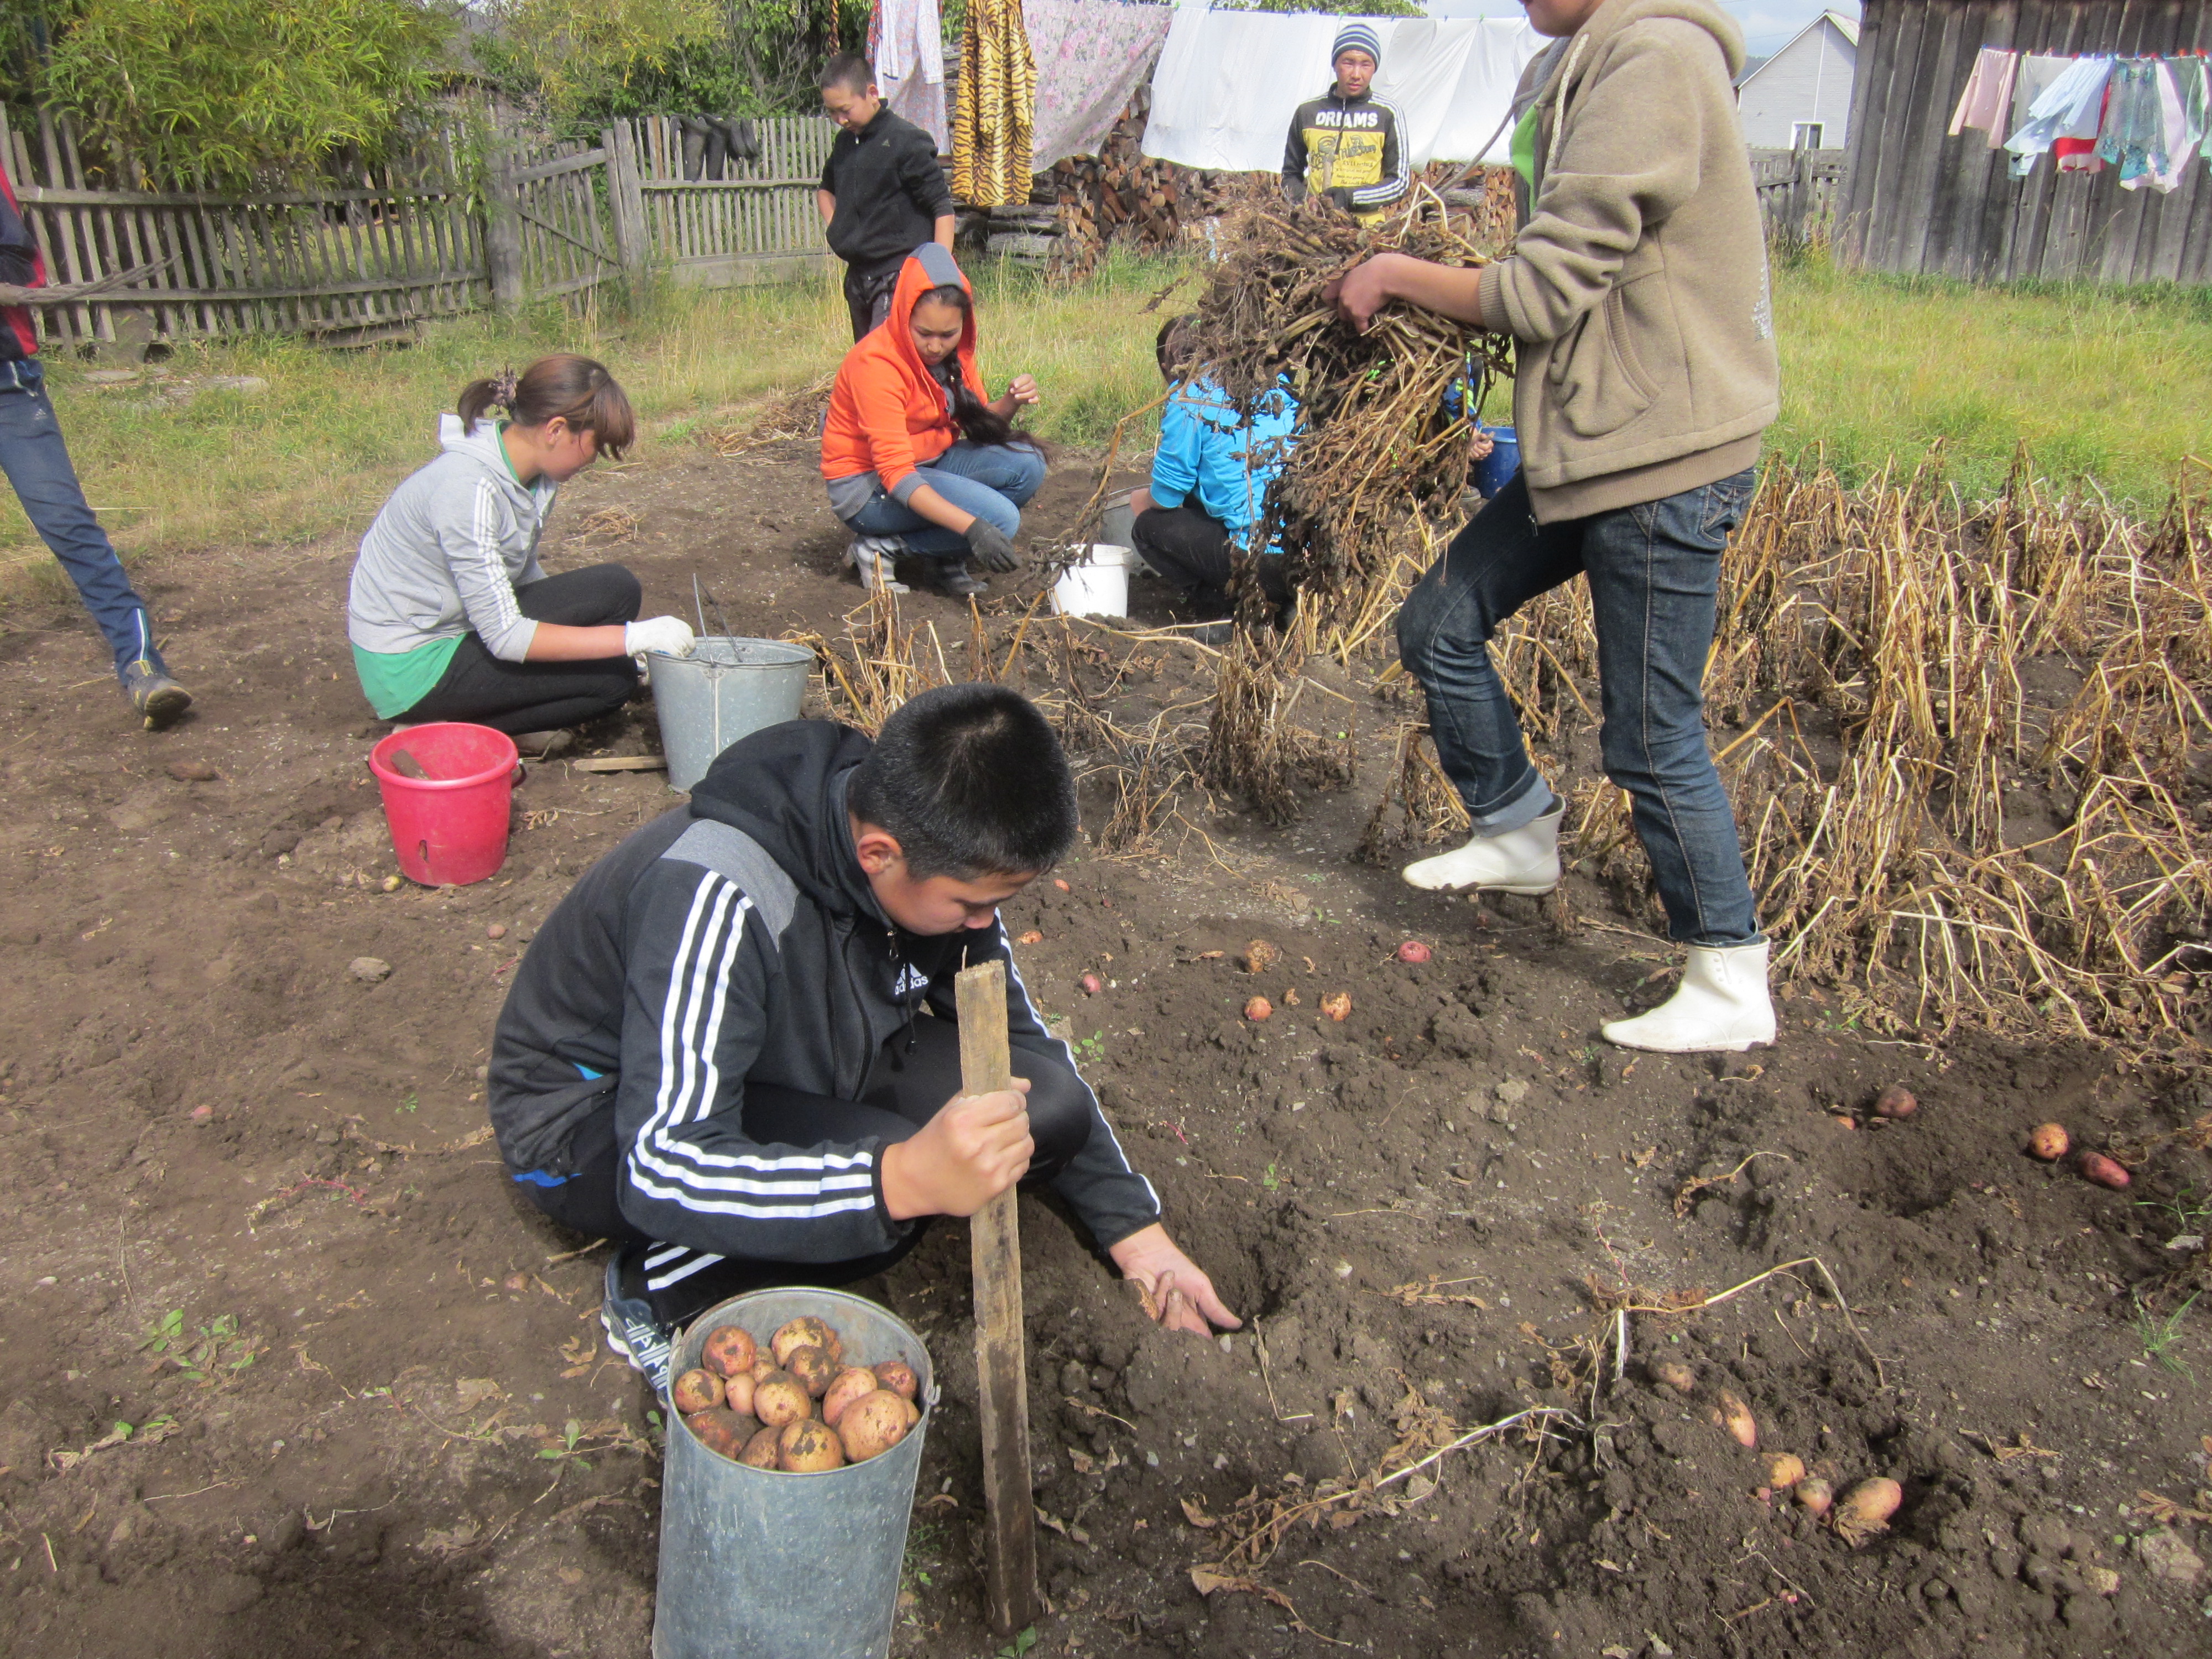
[[449, 614]]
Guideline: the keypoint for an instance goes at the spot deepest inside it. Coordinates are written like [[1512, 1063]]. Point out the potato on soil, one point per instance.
[[1260, 955], [728, 1351], [808, 1447], [852, 1382], [695, 1391], [1337, 1004], [2096, 1167], [721, 1432], [803, 1332], [1413, 950], [738, 1393], [1258, 1008], [781, 1398], [873, 1424], [813, 1368], [898, 1376], [2048, 1141], [1814, 1494], [1673, 1374], [1784, 1469], [1735, 1417], [764, 1450], [1865, 1510], [1896, 1101]]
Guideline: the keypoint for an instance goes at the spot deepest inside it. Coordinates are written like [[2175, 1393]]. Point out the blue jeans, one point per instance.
[[1654, 574], [994, 482], [37, 463]]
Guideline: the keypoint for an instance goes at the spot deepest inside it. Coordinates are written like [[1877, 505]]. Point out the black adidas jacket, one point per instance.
[[737, 940], [891, 193]]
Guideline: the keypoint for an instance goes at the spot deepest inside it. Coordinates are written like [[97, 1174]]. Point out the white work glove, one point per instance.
[[666, 636]]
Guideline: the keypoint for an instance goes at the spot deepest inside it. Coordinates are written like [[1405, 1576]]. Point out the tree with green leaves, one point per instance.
[[240, 91]]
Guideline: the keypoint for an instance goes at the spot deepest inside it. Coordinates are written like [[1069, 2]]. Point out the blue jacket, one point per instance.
[[1208, 451]]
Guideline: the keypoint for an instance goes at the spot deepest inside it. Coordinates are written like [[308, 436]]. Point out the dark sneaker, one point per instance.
[[954, 579], [159, 699], [632, 1330]]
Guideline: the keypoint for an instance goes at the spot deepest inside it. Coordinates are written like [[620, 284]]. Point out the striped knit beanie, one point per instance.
[[1357, 37]]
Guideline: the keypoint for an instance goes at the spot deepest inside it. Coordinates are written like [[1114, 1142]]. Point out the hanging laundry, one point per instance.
[[2179, 132], [906, 44], [2069, 109], [991, 128], [1091, 56], [2132, 137], [1986, 104]]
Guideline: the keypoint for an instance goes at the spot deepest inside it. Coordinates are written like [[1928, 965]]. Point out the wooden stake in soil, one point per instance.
[[1002, 1394]]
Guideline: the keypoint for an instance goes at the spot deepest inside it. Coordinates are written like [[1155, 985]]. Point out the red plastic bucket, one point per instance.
[[449, 829]]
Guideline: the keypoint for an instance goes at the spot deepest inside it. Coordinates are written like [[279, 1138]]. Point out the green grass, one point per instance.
[[2101, 384]]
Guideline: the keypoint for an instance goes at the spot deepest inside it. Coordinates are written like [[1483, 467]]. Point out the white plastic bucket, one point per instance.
[[725, 690], [1099, 586]]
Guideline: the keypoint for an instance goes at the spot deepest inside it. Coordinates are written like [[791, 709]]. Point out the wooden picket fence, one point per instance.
[[437, 233], [1799, 191]]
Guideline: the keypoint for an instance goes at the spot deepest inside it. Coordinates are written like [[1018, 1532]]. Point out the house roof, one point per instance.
[[1846, 27]]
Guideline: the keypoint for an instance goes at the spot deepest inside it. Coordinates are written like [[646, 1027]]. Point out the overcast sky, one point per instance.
[[1767, 24]]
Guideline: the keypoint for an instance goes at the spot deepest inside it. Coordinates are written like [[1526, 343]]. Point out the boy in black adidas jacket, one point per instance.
[[731, 1048]]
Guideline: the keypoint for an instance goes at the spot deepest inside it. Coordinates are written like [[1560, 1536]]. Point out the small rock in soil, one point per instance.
[[1511, 1092], [2168, 1558], [370, 970], [277, 842], [191, 771]]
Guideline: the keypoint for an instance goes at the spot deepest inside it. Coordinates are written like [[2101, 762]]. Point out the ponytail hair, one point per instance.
[[573, 388], [978, 422]]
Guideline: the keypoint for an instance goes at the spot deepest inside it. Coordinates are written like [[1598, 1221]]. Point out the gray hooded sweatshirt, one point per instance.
[[444, 556]]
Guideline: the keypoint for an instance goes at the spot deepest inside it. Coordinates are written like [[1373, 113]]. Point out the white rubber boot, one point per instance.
[[1523, 861], [872, 557], [1720, 1006]]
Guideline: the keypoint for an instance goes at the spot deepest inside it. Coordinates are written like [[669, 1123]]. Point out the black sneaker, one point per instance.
[[159, 699], [955, 579], [633, 1329]]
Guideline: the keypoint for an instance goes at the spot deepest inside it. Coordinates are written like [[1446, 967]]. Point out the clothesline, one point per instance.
[[2147, 116]]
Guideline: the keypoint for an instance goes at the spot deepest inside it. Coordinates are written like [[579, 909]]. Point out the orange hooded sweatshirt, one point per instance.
[[888, 414]]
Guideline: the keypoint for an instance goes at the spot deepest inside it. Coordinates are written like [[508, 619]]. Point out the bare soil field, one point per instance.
[[289, 1368]]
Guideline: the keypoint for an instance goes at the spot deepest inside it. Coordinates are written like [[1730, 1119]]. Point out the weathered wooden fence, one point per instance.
[[437, 234], [1798, 192], [755, 223]]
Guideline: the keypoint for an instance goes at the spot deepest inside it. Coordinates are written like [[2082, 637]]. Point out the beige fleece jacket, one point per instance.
[[1638, 287]]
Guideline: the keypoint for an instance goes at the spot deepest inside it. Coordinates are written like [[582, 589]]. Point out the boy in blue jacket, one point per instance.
[[1210, 479], [733, 1048]]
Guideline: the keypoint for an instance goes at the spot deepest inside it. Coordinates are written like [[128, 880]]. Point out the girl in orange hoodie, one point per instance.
[[916, 461]]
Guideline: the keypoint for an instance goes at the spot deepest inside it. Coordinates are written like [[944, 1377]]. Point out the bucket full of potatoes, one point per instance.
[[794, 1438]]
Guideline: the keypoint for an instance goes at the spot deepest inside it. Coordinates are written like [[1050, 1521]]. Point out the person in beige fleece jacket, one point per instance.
[[1636, 294]]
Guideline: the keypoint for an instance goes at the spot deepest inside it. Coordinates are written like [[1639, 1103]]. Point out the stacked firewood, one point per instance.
[[1119, 194]]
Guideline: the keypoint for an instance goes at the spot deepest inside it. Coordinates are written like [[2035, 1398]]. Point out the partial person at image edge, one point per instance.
[[1636, 294], [733, 1048], [451, 616], [37, 462], [883, 192]]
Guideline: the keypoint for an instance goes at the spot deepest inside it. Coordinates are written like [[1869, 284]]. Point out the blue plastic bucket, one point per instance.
[[1494, 471]]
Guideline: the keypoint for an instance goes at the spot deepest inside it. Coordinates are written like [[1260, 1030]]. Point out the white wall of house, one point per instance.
[[1803, 93]]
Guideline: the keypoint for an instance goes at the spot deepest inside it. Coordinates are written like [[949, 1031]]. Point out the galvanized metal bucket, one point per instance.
[[726, 688], [769, 1565]]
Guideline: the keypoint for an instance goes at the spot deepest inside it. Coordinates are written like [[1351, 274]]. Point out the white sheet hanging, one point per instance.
[[910, 66], [1228, 82]]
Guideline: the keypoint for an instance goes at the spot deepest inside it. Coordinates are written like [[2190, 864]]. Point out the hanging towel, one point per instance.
[[2037, 73], [2132, 135], [1986, 104], [991, 142], [906, 44], [1091, 56], [2181, 123], [2070, 108]]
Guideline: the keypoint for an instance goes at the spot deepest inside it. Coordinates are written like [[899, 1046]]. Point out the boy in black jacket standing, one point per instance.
[[732, 1047], [883, 194]]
